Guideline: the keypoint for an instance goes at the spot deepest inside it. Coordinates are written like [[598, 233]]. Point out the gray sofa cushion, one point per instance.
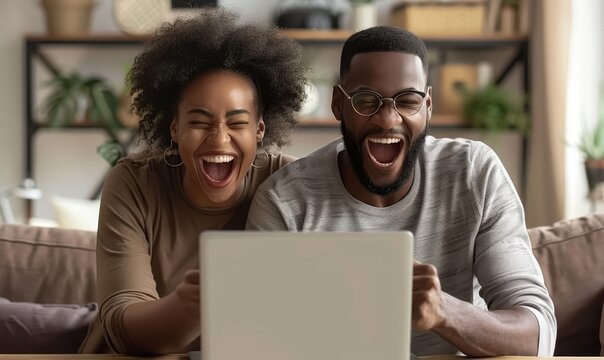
[[42, 269], [27, 328], [47, 265]]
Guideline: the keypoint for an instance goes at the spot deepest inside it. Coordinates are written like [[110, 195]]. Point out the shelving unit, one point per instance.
[[35, 46]]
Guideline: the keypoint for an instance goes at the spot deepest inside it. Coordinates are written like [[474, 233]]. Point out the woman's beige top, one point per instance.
[[148, 238]]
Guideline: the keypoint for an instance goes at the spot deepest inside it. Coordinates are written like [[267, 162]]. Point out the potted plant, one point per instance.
[[75, 99], [592, 147], [79, 100], [494, 109]]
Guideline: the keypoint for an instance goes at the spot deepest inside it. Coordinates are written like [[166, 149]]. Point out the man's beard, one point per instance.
[[354, 153]]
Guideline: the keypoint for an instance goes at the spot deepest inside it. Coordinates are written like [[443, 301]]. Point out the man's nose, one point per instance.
[[387, 117]]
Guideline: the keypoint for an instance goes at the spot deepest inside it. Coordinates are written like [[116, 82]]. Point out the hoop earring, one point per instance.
[[265, 156], [166, 152]]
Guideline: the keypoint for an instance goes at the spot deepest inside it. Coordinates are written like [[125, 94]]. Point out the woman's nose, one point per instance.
[[219, 136]]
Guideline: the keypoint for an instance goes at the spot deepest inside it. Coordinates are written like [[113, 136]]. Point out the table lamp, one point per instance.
[[27, 191]]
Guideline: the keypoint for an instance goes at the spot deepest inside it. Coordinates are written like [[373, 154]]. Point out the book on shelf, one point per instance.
[[493, 10], [524, 16]]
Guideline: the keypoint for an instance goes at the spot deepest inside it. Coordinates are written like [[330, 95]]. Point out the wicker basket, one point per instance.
[[438, 18]]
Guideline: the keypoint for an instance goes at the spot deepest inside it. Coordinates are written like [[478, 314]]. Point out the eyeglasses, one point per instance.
[[368, 102]]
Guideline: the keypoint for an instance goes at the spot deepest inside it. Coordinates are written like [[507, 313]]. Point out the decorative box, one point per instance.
[[441, 18]]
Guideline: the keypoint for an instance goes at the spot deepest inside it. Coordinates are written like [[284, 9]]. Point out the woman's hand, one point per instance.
[[168, 324], [188, 292]]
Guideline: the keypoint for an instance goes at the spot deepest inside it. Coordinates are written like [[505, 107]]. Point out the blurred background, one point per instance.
[[524, 76]]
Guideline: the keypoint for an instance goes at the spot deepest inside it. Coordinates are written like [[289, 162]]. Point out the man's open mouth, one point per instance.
[[384, 150], [217, 168]]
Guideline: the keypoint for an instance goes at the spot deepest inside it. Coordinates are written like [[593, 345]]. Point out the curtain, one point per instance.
[[550, 39]]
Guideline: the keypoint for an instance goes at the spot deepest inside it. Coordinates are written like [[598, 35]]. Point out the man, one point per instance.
[[476, 285]]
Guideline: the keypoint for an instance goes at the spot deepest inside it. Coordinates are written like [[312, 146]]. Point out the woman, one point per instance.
[[211, 94]]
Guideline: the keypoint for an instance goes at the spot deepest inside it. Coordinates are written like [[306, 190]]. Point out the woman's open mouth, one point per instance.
[[383, 151], [218, 169]]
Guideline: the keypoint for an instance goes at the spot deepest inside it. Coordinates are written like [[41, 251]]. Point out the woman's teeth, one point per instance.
[[218, 158]]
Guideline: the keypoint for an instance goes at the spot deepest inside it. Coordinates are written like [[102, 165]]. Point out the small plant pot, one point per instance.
[[364, 16], [68, 17], [594, 169]]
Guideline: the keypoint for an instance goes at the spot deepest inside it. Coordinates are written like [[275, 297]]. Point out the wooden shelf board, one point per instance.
[[318, 122], [478, 38], [448, 120], [87, 38], [75, 126], [316, 35], [337, 35]]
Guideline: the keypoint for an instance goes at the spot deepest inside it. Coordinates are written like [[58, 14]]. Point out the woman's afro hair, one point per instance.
[[214, 40]]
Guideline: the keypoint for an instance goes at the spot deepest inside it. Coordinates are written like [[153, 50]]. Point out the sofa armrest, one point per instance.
[[47, 265], [570, 254]]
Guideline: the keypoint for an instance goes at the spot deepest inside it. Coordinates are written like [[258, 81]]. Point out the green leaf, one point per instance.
[[65, 100], [111, 151], [591, 143]]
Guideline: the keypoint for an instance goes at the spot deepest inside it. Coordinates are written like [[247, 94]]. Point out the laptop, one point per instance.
[[305, 295]]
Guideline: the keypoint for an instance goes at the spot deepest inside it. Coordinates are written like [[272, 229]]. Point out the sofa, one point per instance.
[[48, 276], [571, 256], [51, 267]]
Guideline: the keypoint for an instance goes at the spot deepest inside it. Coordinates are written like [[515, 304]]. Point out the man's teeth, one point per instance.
[[218, 158], [382, 140]]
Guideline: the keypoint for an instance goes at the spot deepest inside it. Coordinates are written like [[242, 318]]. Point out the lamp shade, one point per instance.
[[27, 190]]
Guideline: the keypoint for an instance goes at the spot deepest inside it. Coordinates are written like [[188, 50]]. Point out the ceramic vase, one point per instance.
[[364, 15], [68, 17]]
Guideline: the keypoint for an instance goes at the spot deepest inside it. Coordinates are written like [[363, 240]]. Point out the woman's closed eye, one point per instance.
[[203, 124], [238, 123]]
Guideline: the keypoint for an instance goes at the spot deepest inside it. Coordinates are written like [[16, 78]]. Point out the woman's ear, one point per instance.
[[260, 130], [336, 103], [174, 130]]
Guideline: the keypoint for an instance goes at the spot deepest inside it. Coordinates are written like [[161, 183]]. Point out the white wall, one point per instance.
[[66, 164], [14, 15], [63, 164], [585, 80]]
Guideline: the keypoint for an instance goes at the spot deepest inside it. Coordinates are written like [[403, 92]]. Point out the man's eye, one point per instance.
[[362, 99], [409, 100], [367, 101], [408, 103]]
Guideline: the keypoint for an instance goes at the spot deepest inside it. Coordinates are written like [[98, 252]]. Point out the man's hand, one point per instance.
[[473, 331], [188, 293], [428, 298]]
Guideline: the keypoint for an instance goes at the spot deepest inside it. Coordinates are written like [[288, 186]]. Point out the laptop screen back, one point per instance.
[[302, 296]]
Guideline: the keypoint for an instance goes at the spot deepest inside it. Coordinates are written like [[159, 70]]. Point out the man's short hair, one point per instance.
[[382, 38]]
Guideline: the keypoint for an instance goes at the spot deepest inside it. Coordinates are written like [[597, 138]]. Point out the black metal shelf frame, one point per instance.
[[34, 50]]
